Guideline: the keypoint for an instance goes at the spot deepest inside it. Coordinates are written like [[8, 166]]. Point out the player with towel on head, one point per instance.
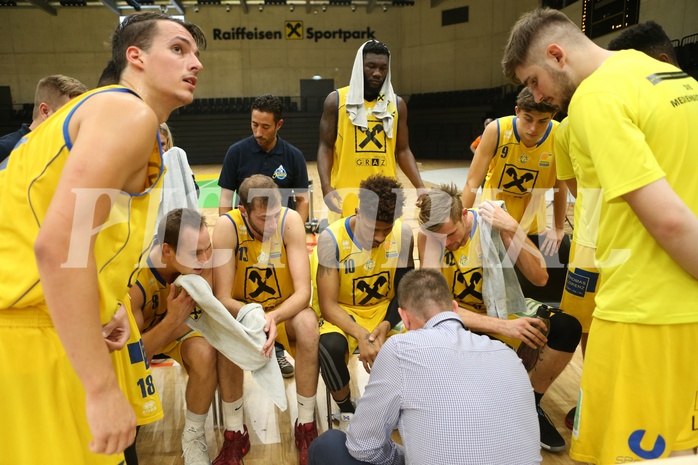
[[363, 131]]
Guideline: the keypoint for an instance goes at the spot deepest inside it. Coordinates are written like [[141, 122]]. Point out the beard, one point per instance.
[[565, 86]]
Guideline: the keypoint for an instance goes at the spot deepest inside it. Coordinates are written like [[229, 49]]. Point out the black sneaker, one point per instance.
[[287, 369], [550, 439]]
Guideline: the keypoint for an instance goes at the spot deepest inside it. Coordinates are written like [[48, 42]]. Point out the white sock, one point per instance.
[[233, 415], [194, 420], [306, 409]]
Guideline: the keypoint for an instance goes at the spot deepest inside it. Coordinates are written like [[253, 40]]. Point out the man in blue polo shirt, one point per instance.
[[266, 153]]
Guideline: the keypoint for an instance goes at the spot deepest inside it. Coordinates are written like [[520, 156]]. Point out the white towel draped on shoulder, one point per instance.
[[501, 291], [355, 97], [239, 339], [179, 190]]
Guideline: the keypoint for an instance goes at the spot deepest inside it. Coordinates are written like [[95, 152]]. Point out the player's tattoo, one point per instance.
[[367, 337]]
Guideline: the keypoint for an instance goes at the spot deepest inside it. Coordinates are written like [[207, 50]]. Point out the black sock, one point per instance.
[[538, 398], [346, 405]]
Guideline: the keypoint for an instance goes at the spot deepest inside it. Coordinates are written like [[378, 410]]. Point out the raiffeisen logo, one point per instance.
[[241, 33], [293, 30]]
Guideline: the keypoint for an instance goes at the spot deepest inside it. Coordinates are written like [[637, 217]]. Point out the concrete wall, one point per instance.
[[426, 56]]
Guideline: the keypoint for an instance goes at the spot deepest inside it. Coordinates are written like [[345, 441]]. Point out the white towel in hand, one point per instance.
[[239, 339], [501, 291], [355, 97]]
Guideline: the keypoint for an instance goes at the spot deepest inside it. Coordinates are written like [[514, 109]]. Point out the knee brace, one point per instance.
[[333, 368], [565, 332]]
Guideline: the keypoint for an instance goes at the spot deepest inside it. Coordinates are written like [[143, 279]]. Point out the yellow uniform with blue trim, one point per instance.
[[135, 376], [42, 399], [366, 277], [155, 290], [640, 380], [359, 154], [462, 269], [262, 274], [520, 175]]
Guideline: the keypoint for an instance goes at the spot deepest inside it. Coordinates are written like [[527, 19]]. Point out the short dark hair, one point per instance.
[[267, 103], [381, 197], [265, 192], [376, 47], [109, 75], [527, 102], [139, 29], [424, 292], [171, 224], [649, 38]]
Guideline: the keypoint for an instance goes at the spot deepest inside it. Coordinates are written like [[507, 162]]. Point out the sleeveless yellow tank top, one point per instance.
[[365, 276], [359, 154], [519, 175], [262, 274], [31, 176], [462, 269], [155, 291]]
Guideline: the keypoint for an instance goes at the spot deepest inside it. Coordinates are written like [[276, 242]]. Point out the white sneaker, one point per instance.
[[344, 419], [194, 448]]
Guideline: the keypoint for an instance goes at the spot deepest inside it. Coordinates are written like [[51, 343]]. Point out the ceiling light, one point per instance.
[[291, 8]]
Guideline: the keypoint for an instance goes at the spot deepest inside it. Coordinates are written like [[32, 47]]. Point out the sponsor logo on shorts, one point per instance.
[[149, 407], [579, 282], [196, 313], [635, 445]]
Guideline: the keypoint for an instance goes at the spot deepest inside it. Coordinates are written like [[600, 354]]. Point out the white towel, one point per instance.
[[179, 190], [239, 339], [355, 97], [501, 291]]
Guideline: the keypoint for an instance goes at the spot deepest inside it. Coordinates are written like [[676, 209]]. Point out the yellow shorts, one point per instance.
[[41, 398], [174, 348], [134, 375], [581, 284], [282, 338], [368, 320], [639, 394]]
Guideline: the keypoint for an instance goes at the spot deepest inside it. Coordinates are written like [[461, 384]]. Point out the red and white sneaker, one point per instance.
[[305, 434], [235, 446]]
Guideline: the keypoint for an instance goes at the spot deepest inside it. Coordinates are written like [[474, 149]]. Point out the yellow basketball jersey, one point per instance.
[[262, 274], [365, 276], [359, 154], [462, 269], [520, 175], [155, 291], [31, 177]]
